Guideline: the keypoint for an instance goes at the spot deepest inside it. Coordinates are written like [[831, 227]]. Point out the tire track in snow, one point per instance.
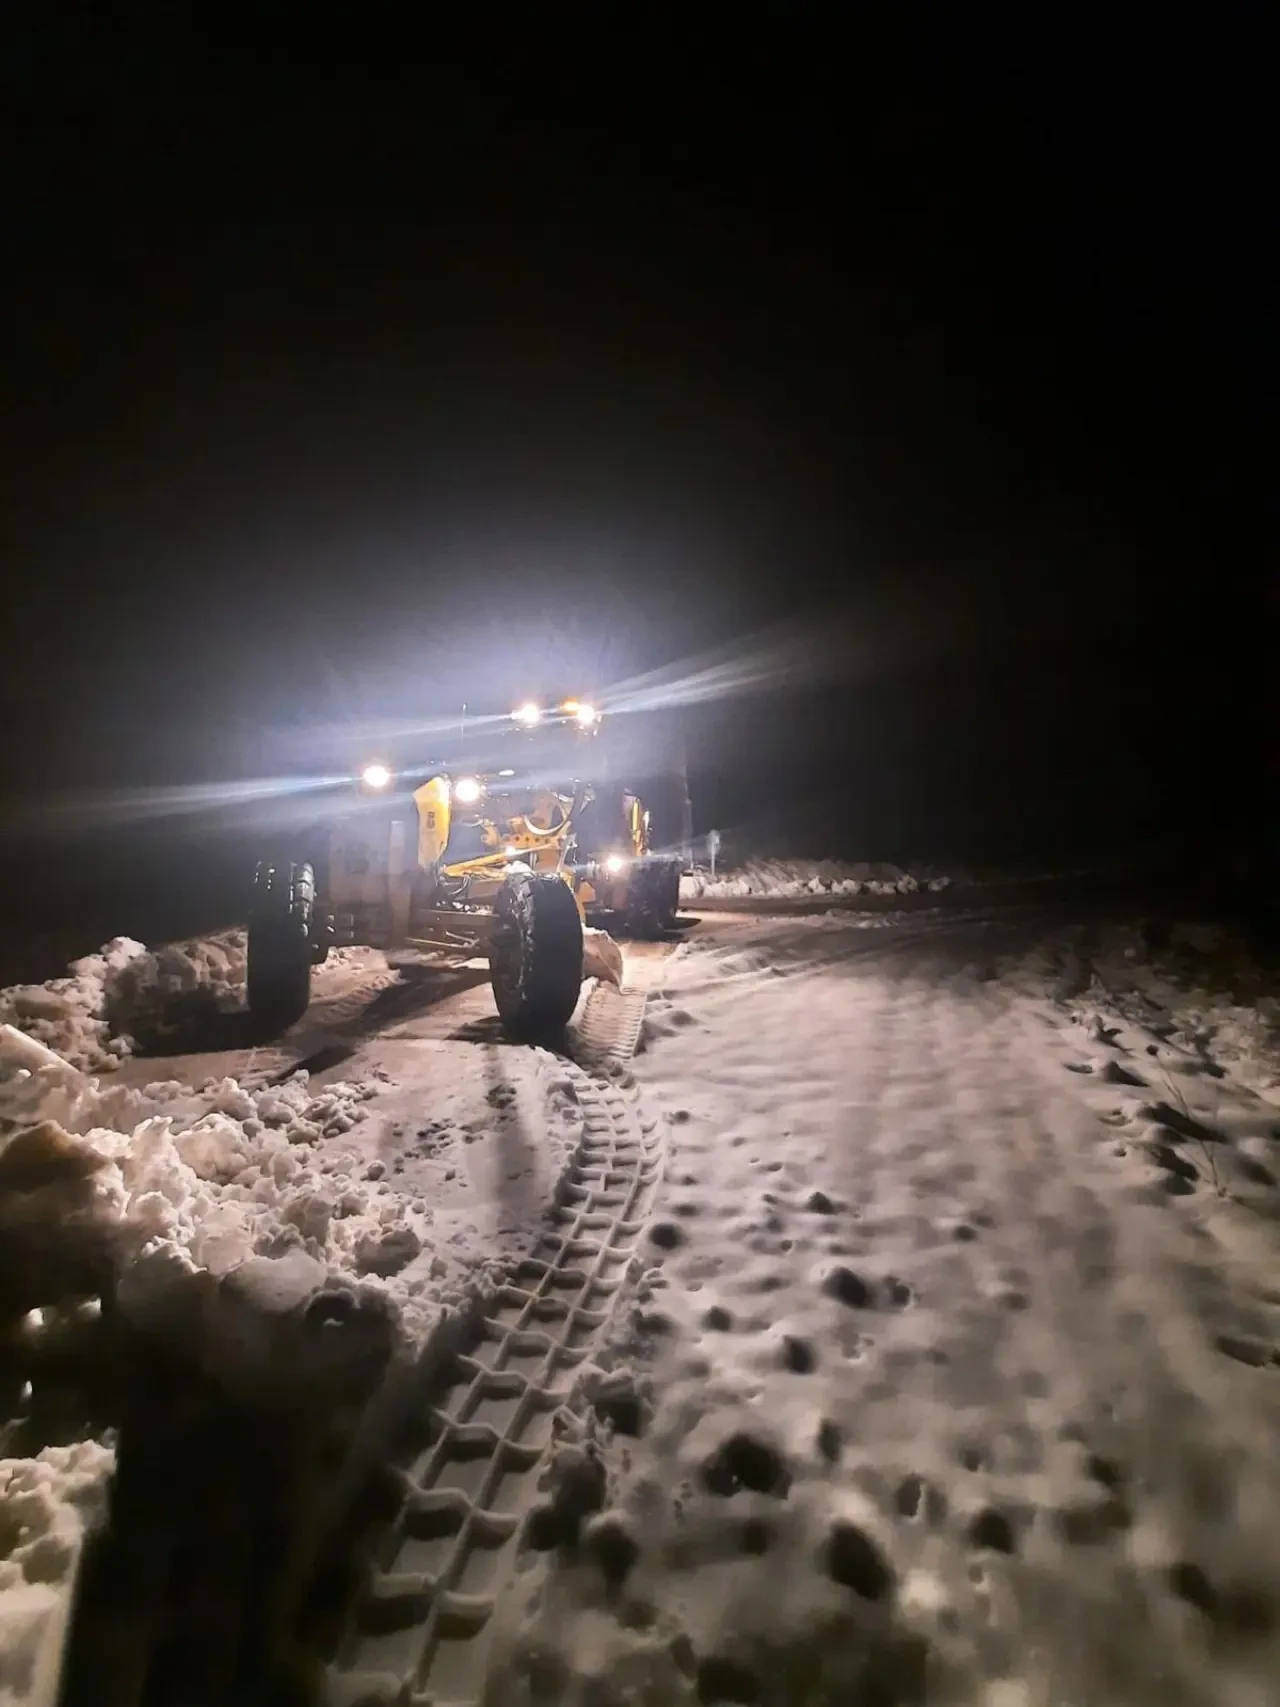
[[420, 1627]]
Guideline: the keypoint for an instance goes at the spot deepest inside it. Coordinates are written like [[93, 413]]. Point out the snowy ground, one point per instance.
[[957, 1373], [940, 1354], [1194, 985]]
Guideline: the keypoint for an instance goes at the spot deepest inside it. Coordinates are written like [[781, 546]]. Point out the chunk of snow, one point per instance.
[[48, 1504], [601, 957]]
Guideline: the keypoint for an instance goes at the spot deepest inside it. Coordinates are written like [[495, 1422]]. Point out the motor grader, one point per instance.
[[453, 862]]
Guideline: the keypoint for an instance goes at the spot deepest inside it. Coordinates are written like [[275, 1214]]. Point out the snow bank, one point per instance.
[[47, 1506], [290, 1240], [90, 1016], [166, 1182], [798, 880], [70, 1014], [400, 1186]]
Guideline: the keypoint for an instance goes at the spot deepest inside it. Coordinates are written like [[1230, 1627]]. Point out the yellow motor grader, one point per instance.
[[452, 863]]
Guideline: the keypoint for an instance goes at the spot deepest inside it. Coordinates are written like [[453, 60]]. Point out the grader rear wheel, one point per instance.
[[279, 950], [655, 899]]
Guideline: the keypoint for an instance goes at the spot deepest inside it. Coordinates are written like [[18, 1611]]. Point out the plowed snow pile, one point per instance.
[[216, 1215], [164, 1184], [798, 880], [89, 1017], [956, 1373]]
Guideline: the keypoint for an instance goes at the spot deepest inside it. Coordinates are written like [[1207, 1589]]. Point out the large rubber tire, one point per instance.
[[656, 899], [669, 893], [280, 956], [535, 955]]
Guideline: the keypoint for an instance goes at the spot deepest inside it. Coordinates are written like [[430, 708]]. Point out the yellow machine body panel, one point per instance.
[[432, 801], [377, 861], [638, 820]]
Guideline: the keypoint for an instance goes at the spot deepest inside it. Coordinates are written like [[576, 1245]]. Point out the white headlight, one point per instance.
[[528, 714], [375, 776], [510, 853], [614, 863], [586, 715], [467, 790]]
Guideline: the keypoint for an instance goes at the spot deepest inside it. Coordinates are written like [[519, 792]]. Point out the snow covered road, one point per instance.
[[955, 1377], [902, 1326]]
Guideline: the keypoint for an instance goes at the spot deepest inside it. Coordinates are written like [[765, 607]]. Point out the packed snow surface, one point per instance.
[[955, 1376]]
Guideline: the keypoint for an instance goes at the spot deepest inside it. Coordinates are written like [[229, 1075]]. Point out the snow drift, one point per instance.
[[798, 880]]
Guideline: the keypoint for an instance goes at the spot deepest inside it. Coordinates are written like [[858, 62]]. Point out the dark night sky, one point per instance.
[[340, 380]]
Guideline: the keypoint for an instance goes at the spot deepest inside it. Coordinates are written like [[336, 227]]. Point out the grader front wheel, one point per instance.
[[279, 948], [535, 955]]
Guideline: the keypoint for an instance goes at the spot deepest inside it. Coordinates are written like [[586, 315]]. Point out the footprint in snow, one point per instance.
[[1092, 1523], [798, 1355], [854, 1561], [609, 1542], [848, 1288], [726, 1680], [1255, 1353], [992, 1530], [666, 1235], [830, 1440], [1182, 1176], [743, 1461], [909, 1494], [1115, 1074]]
